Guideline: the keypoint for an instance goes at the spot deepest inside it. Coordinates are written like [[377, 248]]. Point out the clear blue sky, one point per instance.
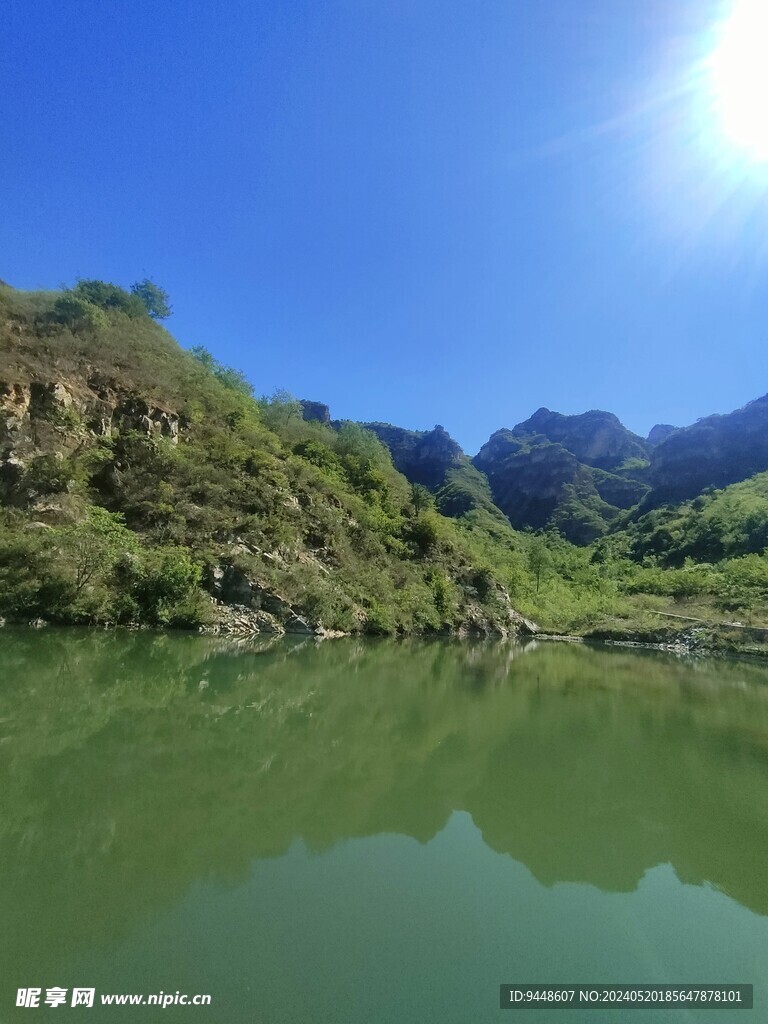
[[418, 211]]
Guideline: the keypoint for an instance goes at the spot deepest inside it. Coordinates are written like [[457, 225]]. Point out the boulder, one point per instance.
[[46, 399], [238, 620], [296, 624]]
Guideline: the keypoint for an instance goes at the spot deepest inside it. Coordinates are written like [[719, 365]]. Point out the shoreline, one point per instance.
[[691, 642]]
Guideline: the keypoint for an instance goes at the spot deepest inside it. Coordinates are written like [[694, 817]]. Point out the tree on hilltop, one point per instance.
[[154, 297]]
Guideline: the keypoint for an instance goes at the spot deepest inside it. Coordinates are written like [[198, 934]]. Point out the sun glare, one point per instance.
[[739, 77]]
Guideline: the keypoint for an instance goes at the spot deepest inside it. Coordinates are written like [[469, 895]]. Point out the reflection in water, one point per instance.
[[137, 766]]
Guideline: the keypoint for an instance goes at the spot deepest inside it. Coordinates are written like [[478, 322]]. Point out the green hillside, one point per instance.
[[144, 484], [718, 524], [135, 474]]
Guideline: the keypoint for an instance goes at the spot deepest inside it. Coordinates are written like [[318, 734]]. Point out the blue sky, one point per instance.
[[418, 211]]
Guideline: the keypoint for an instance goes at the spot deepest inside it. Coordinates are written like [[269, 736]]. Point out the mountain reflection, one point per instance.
[[135, 765]]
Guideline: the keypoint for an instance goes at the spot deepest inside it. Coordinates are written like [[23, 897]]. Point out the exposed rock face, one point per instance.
[[239, 620], [714, 452], [259, 609], [233, 586], [41, 418], [136, 414], [660, 433], [596, 438], [315, 411], [506, 622], [16, 441], [48, 399], [14, 411]]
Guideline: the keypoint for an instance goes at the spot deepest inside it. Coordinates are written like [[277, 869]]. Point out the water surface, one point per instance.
[[376, 831]]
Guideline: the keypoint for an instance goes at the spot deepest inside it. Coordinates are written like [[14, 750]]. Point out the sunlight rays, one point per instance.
[[738, 78]]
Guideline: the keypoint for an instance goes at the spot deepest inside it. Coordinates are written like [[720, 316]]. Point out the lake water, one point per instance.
[[375, 831]]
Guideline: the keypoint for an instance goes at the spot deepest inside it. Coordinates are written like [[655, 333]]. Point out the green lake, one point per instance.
[[368, 832]]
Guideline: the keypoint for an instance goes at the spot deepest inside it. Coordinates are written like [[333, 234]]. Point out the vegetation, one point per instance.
[[154, 298], [114, 517], [128, 525]]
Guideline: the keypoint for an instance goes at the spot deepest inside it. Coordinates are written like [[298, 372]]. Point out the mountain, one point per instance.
[[579, 473], [433, 459], [596, 438], [713, 452], [550, 471], [424, 457], [720, 524], [571, 473]]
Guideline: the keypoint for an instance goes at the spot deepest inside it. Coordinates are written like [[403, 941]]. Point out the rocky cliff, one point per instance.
[[423, 456], [572, 473], [54, 418], [317, 411], [578, 472]]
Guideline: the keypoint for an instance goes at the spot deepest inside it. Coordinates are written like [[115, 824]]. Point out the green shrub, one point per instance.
[[161, 580], [79, 313], [108, 296]]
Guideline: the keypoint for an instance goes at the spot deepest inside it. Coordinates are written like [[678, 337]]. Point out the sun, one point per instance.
[[738, 70]]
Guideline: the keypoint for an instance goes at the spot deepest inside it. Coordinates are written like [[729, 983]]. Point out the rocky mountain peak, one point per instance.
[[660, 432], [424, 456], [597, 438]]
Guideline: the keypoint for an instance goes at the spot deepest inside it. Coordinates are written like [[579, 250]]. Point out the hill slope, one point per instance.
[[139, 482]]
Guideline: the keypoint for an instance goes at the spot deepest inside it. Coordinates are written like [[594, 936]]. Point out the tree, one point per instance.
[[202, 355], [420, 498], [90, 302], [280, 408], [539, 558], [94, 545], [162, 580], [154, 298]]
